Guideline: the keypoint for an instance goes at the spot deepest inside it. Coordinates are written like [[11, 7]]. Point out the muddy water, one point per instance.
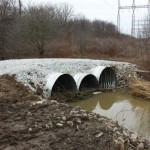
[[133, 113]]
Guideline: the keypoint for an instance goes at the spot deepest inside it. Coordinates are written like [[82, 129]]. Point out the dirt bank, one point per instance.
[[50, 125]]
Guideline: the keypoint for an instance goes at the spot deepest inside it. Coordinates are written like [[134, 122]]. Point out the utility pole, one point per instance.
[[133, 18], [20, 7], [118, 17], [133, 7]]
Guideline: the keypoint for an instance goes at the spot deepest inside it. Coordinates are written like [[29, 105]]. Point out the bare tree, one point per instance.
[[64, 16], [37, 26], [103, 29], [65, 12], [82, 33], [7, 16]]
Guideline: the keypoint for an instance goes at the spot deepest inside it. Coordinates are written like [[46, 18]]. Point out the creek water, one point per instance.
[[131, 112]]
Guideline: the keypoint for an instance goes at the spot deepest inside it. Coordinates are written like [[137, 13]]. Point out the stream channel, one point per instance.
[[131, 112]]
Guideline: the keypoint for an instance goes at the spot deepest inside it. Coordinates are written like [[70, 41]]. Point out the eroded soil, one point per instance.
[[50, 125]]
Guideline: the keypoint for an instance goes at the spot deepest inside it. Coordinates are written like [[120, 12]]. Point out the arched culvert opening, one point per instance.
[[86, 82], [60, 83], [106, 77]]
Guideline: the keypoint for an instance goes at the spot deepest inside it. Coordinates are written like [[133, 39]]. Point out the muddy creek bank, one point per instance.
[[131, 112], [29, 122]]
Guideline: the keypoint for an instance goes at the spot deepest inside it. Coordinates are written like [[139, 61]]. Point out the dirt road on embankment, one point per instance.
[[49, 125]]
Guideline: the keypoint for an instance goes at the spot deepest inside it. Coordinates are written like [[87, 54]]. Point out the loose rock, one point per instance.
[[140, 146]]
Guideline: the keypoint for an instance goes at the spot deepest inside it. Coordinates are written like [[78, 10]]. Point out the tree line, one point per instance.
[[35, 26]]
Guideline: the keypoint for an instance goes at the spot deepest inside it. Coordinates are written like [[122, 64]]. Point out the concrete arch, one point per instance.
[[106, 77], [59, 82], [85, 80]]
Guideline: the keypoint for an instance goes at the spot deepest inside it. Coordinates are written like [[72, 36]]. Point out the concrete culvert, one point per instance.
[[60, 83], [106, 77], [86, 81]]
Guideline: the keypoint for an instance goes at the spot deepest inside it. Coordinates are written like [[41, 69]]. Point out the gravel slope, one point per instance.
[[35, 71]]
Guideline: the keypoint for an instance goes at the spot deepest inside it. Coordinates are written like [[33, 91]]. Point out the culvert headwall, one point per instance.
[[59, 82], [86, 81], [106, 77]]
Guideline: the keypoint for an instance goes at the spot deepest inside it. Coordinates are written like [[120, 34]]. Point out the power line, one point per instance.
[[108, 4], [133, 7]]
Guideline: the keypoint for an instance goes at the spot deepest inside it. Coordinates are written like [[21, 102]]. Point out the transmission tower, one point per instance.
[[133, 7]]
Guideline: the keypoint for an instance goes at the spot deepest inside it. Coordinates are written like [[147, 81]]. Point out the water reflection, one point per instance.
[[133, 113]]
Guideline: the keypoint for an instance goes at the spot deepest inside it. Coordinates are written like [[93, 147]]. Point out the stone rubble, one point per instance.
[[78, 118]]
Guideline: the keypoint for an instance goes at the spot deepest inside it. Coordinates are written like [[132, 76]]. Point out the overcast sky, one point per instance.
[[102, 9]]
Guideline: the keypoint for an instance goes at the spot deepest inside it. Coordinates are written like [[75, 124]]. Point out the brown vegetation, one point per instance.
[[140, 88], [42, 30]]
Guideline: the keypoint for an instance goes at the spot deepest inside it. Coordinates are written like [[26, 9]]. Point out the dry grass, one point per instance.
[[140, 88]]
